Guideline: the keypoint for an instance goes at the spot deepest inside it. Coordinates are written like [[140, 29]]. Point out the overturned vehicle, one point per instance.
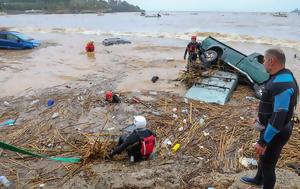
[[236, 68]]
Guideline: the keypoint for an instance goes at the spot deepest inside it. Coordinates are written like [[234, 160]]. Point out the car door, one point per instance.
[[3, 41], [13, 41]]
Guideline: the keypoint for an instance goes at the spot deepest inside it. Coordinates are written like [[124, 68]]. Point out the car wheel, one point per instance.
[[209, 57]]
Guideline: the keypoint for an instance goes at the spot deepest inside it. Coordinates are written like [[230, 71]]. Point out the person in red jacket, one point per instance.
[[90, 47], [192, 49]]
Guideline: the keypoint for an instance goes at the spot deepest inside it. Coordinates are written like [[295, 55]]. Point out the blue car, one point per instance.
[[16, 40]]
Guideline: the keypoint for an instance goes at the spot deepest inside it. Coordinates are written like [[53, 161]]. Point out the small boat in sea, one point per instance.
[[280, 14]]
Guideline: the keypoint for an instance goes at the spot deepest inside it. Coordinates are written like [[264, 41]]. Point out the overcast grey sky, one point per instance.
[[218, 5]]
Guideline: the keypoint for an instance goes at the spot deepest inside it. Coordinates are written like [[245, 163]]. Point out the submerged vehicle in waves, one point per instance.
[[16, 40], [115, 41]]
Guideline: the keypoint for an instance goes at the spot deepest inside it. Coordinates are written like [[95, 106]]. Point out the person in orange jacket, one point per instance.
[[90, 46]]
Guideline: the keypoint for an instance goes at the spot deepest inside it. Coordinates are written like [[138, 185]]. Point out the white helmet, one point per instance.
[[140, 122]]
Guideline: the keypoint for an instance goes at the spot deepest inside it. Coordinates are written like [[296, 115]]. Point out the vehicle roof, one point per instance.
[[9, 32]]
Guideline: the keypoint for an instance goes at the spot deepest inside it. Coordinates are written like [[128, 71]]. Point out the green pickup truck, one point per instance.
[[250, 66], [219, 87]]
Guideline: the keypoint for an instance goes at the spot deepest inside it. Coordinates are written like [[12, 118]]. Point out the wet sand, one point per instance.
[[61, 59]]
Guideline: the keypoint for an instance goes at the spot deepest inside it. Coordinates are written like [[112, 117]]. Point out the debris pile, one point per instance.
[[216, 135]]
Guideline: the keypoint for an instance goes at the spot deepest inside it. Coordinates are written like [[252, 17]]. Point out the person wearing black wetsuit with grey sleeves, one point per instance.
[[139, 143], [276, 109]]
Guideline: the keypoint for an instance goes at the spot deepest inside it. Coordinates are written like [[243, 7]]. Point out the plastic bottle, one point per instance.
[[4, 181], [175, 147]]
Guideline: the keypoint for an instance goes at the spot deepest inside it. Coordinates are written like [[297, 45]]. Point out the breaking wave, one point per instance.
[[181, 36]]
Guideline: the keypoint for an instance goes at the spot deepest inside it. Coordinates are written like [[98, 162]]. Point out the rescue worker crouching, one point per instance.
[[140, 143], [111, 97]]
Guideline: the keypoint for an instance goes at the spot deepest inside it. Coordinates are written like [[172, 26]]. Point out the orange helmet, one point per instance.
[[194, 37], [108, 95]]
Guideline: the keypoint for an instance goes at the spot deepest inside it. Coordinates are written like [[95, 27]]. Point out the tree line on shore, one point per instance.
[[68, 5]]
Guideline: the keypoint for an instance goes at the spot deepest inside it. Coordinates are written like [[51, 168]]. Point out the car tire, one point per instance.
[[209, 58]]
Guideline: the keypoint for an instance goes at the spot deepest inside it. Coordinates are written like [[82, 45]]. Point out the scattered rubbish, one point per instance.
[[180, 129], [174, 109], [6, 104], [175, 147], [55, 115], [50, 102], [250, 98], [156, 113], [153, 93], [167, 142], [201, 121], [8, 122], [186, 100], [201, 147], [80, 98], [246, 162], [170, 59], [50, 145], [185, 111], [201, 158], [110, 129], [42, 185], [34, 102], [210, 187], [5, 181], [205, 133], [242, 118], [175, 116], [154, 79], [184, 121]]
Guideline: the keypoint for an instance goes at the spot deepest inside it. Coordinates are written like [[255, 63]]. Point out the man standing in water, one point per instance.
[[276, 109]]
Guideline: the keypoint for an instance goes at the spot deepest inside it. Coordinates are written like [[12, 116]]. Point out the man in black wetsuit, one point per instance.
[[194, 49], [139, 144], [276, 109]]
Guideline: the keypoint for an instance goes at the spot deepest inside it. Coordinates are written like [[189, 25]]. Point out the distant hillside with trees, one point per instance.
[[67, 6]]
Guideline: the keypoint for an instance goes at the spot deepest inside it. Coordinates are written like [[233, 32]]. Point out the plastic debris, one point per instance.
[[175, 116], [50, 102], [242, 118], [110, 129], [167, 142], [184, 121], [34, 102], [8, 122], [174, 109], [246, 162], [250, 98], [201, 121], [55, 115], [6, 103], [205, 133], [175, 148], [156, 113], [153, 93], [5, 181], [186, 100], [180, 129], [42, 185], [154, 79], [185, 111]]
